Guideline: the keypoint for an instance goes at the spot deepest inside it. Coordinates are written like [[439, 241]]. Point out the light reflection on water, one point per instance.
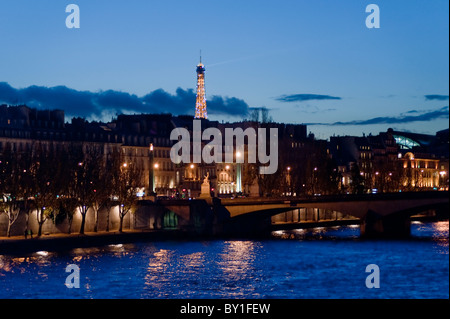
[[239, 274], [294, 264], [438, 232], [336, 232]]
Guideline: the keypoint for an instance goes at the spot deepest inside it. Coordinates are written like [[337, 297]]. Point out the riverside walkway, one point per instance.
[[62, 242]]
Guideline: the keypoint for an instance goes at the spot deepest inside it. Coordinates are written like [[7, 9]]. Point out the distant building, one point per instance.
[[349, 152], [393, 160], [390, 161]]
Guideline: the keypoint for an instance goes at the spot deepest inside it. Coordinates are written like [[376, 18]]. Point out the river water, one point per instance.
[[318, 263]]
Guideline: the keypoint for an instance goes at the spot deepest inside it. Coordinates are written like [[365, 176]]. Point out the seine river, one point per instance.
[[318, 263]]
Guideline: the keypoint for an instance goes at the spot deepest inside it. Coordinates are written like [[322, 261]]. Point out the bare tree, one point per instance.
[[69, 158], [67, 207], [10, 190], [87, 179], [104, 186], [42, 183], [126, 186], [110, 178]]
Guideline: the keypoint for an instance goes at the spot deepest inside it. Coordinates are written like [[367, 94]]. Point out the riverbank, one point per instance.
[[18, 245], [62, 242]]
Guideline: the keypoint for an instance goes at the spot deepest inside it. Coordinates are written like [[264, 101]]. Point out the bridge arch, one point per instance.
[[379, 214], [170, 219]]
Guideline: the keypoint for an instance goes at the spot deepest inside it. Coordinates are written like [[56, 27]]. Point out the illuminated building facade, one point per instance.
[[419, 172]]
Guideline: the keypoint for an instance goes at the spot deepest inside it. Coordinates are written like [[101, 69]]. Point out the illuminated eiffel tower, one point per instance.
[[200, 103]]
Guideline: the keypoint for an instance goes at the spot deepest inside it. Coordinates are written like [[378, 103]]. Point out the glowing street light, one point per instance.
[[238, 173], [288, 180], [151, 173]]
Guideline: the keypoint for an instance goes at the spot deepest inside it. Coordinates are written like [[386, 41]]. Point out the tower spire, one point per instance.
[[200, 103]]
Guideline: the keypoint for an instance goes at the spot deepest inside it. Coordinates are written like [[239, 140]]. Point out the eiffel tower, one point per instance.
[[200, 104]]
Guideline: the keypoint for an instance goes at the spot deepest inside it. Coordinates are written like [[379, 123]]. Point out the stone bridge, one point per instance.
[[379, 214]]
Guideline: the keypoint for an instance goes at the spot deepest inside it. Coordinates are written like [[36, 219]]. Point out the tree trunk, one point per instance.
[[96, 208], [12, 217], [96, 220], [41, 220], [121, 222], [83, 221], [28, 219], [121, 215], [8, 232], [40, 228], [107, 218], [70, 225]]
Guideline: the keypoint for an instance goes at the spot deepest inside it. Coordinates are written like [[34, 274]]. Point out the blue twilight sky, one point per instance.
[[310, 61]]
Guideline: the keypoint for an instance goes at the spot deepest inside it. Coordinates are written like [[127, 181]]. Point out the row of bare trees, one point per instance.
[[56, 180]]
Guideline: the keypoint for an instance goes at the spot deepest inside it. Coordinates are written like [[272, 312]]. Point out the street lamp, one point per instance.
[[288, 180], [151, 173], [314, 180], [238, 173], [442, 175], [155, 166]]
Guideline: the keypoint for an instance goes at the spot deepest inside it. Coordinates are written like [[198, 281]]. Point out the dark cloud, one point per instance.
[[96, 104], [442, 113], [227, 106], [437, 97], [60, 97], [305, 97]]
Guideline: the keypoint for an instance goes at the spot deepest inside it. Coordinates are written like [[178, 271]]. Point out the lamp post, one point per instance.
[[238, 173], [288, 181], [314, 180], [442, 184], [151, 172]]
